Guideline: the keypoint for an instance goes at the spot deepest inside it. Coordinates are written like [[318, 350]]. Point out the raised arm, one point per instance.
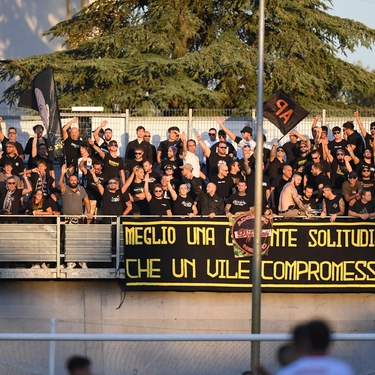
[[360, 124], [273, 149], [184, 143], [147, 192], [67, 126], [34, 146], [171, 190], [315, 123], [96, 148], [206, 150], [2, 136], [62, 185], [350, 150], [227, 131], [129, 180], [28, 188], [97, 130], [96, 180]]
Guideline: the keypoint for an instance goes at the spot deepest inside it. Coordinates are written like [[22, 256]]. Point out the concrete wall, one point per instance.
[[90, 307]]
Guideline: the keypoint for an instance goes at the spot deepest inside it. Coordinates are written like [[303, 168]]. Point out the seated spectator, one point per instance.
[[308, 200], [363, 208], [7, 172], [333, 205], [183, 204], [351, 188], [238, 203], [367, 181], [212, 204], [157, 204], [290, 204], [10, 196]]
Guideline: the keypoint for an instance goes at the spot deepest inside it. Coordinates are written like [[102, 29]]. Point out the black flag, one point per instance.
[[41, 96], [283, 112]]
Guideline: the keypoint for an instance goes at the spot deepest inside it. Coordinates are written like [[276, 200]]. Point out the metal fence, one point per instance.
[[152, 354], [191, 121]]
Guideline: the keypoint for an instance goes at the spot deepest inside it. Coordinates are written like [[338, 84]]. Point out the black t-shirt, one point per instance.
[[301, 162], [369, 141], [71, 148], [132, 145], [129, 166], [139, 206], [113, 166], [363, 208], [332, 205], [356, 139], [251, 189], [239, 203], [163, 147], [159, 206], [14, 199], [223, 186], [275, 168], [175, 164], [18, 146], [154, 179], [291, 152], [311, 201], [214, 160], [50, 166], [17, 163], [368, 185], [195, 181], [92, 189], [339, 174], [113, 203], [278, 184], [333, 146], [183, 206]]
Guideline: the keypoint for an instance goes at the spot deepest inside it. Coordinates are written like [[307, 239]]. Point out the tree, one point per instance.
[[199, 54]]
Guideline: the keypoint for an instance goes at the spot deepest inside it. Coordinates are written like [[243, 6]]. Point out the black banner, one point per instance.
[[197, 255], [42, 96], [283, 112]]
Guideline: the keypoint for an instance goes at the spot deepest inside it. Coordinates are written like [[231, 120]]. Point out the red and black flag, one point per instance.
[[283, 112], [41, 96]]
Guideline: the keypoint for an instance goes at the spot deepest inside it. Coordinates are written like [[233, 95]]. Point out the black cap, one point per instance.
[[222, 132], [35, 126], [247, 129], [353, 174]]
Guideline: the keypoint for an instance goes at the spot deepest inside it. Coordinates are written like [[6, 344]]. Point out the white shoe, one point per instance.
[[70, 265], [36, 265], [83, 264]]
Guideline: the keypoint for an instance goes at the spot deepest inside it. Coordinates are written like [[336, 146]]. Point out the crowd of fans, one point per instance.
[[303, 176]]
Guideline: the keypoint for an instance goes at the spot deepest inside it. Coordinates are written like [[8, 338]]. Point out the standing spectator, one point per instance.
[[138, 143], [154, 177], [190, 180], [278, 184], [213, 158], [238, 203], [113, 165], [147, 138], [290, 204], [172, 160], [366, 180], [136, 191], [169, 172], [353, 138], [8, 172], [235, 172], [137, 161], [40, 152], [292, 148], [318, 180], [251, 188], [368, 137], [276, 162], [212, 204], [231, 151], [12, 136], [10, 155], [304, 157], [40, 179], [189, 148], [367, 160], [38, 132], [363, 208], [103, 142], [164, 185], [10, 196], [183, 204], [336, 143], [341, 165], [212, 138], [173, 140], [310, 344], [315, 159], [224, 183], [246, 139], [333, 205], [157, 204], [83, 158], [71, 141]]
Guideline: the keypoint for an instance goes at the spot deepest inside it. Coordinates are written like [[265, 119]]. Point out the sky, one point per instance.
[[362, 11]]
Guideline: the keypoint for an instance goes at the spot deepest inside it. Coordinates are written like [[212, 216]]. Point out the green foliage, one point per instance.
[[201, 54]]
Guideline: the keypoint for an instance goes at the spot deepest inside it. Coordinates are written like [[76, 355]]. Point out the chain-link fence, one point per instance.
[[162, 354]]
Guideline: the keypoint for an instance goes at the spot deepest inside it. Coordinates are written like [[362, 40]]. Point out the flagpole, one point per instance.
[[257, 254]]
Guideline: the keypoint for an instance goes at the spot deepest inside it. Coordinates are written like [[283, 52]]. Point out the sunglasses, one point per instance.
[[336, 132], [352, 178], [222, 146], [372, 128], [315, 158], [280, 150], [113, 146], [211, 134], [147, 136], [138, 153], [112, 183], [339, 154], [158, 191], [11, 183], [169, 169], [366, 170], [12, 133]]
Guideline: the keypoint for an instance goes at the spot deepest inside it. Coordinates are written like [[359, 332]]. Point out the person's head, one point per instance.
[[246, 151], [312, 338], [308, 192], [74, 133], [241, 187], [247, 132], [147, 166], [287, 171], [11, 183], [211, 188], [222, 136], [234, 166], [223, 170], [324, 132], [38, 196], [366, 173], [84, 148], [293, 138], [336, 131], [78, 366], [173, 133], [140, 132], [285, 354], [340, 154], [367, 153], [147, 136], [73, 181], [97, 166], [42, 166], [139, 173], [348, 128], [138, 153], [8, 167], [113, 147], [372, 128], [158, 191], [169, 170], [12, 134], [172, 152], [366, 196], [212, 134], [10, 148], [114, 184], [164, 181], [187, 170], [38, 130], [304, 149], [315, 156], [327, 191], [297, 179], [108, 133], [42, 150], [316, 169], [222, 148], [280, 153], [191, 146], [353, 178], [183, 190]]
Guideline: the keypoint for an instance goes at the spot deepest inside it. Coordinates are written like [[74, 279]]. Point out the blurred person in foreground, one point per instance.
[[310, 346], [78, 366]]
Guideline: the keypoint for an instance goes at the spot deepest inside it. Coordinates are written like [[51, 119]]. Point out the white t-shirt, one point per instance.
[[193, 159], [242, 143], [317, 365]]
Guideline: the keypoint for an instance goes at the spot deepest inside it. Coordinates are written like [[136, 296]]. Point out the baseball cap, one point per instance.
[[352, 174]]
